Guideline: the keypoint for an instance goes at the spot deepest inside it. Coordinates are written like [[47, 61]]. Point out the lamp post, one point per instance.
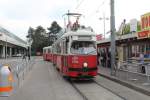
[[30, 40], [104, 19], [30, 43]]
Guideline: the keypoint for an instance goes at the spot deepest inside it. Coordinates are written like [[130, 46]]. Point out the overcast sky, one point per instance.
[[17, 15]]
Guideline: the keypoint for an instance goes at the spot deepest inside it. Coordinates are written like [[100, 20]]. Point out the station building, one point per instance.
[[10, 44], [129, 46]]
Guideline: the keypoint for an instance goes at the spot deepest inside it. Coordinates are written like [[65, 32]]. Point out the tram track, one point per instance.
[[72, 84], [85, 97], [83, 92], [78, 90], [109, 90]]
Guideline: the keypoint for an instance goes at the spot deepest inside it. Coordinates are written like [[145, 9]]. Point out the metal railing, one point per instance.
[[134, 71], [19, 69]]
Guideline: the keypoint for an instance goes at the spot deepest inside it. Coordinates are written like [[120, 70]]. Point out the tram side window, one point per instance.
[[44, 51], [49, 50], [66, 45], [58, 48]]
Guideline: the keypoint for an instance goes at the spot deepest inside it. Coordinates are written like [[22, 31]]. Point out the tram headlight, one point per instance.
[[85, 65]]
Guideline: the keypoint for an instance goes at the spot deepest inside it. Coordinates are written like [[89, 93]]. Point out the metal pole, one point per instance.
[[104, 24], [30, 47], [113, 48], [6, 48]]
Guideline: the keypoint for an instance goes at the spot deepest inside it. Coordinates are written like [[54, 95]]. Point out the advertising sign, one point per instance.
[[145, 21], [145, 26], [99, 37], [144, 34], [133, 25]]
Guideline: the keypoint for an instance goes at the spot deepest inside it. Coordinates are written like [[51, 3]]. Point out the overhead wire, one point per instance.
[[97, 10], [79, 4], [100, 5]]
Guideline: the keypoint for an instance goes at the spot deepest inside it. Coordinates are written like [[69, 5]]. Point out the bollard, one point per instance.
[[6, 80]]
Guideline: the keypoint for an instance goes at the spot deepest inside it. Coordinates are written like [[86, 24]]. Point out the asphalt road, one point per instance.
[[43, 82]]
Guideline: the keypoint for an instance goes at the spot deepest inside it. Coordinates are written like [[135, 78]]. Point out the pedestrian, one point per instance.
[[24, 56], [28, 56], [98, 58], [141, 58], [109, 59], [142, 63], [104, 59]]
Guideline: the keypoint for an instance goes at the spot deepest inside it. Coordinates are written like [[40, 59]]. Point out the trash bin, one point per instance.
[[6, 80], [143, 69]]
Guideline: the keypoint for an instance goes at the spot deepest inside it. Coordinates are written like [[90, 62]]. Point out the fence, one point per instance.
[[134, 71], [20, 69]]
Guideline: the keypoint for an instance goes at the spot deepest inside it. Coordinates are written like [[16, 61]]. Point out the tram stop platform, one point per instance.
[[137, 82]]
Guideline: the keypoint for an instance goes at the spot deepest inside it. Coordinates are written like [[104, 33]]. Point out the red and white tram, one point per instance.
[[47, 53], [75, 54]]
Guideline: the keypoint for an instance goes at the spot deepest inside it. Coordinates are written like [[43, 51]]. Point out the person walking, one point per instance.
[[142, 63], [28, 56], [24, 57], [98, 58]]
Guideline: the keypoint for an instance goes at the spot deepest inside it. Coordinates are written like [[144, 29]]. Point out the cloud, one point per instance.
[[18, 15]]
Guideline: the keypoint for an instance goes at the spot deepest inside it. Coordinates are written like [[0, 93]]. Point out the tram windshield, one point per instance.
[[83, 47]]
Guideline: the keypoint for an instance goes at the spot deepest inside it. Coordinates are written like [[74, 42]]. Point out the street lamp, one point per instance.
[[30, 40], [104, 19]]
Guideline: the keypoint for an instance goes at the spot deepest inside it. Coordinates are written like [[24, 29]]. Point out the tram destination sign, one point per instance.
[[84, 37]]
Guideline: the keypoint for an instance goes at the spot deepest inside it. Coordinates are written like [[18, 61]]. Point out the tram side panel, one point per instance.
[[54, 59], [49, 57], [59, 62]]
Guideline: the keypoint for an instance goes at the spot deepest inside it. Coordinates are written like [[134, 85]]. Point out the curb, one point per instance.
[[129, 85]]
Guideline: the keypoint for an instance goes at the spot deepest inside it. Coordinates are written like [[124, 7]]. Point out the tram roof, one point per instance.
[[47, 47], [79, 33]]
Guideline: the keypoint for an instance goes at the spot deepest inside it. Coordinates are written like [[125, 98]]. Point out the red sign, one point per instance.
[[144, 34], [99, 37]]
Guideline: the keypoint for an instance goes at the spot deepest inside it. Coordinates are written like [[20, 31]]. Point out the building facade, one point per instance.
[[10, 44], [128, 46]]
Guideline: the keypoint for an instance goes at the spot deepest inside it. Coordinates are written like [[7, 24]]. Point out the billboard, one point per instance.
[[133, 25], [145, 26], [145, 21]]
